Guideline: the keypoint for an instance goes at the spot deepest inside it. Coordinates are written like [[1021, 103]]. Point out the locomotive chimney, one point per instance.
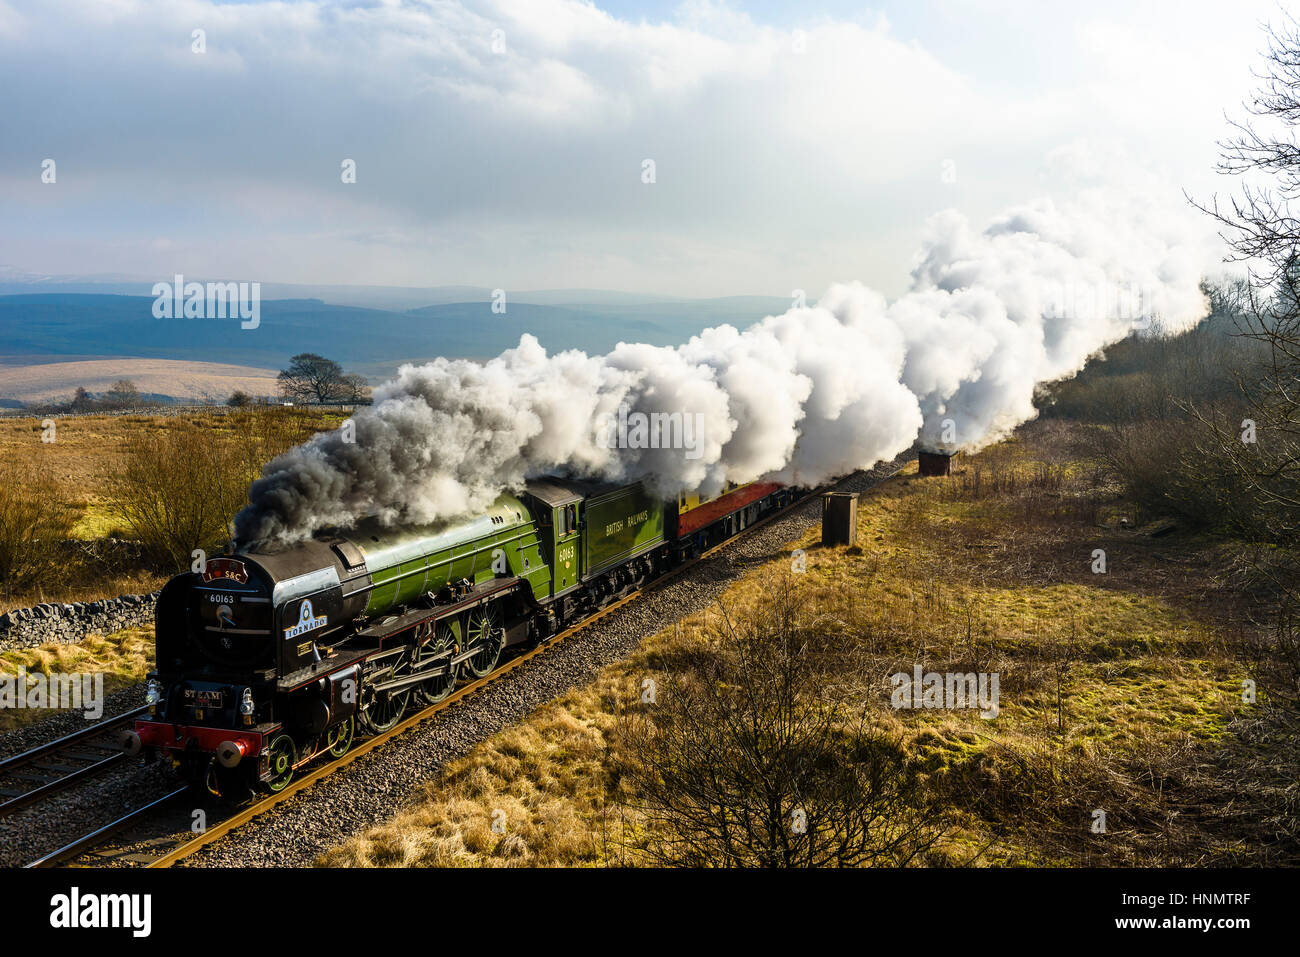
[[839, 518]]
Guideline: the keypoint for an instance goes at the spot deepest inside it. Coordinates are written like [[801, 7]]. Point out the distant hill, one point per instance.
[[157, 379], [18, 282], [367, 340]]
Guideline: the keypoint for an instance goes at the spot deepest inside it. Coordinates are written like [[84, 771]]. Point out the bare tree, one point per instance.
[[122, 395], [81, 400], [354, 388], [312, 378], [1263, 229], [748, 757]]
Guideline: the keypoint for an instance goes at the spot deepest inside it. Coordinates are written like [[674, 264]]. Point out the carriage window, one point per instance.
[[570, 518]]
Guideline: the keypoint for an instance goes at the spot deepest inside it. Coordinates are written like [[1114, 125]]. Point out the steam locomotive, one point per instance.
[[266, 659]]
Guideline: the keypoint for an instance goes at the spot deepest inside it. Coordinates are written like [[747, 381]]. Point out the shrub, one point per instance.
[[1171, 465], [746, 760], [35, 518], [178, 490]]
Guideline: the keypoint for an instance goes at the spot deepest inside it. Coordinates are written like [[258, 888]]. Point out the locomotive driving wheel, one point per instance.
[[443, 643], [339, 738], [280, 757], [381, 710], [486, 637]]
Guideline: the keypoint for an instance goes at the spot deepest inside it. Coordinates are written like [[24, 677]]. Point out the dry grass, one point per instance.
[[91, 452], [1119, 691], [542, 783], [84, 585], [124, 659], [34, 520]]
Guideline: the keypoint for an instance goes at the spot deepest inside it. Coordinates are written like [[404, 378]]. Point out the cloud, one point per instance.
[[512, 136]]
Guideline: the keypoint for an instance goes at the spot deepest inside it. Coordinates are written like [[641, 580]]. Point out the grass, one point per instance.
[[85, 587], [87, 453], [1119, 691], [540, 783], [123, 658], [88, 450]]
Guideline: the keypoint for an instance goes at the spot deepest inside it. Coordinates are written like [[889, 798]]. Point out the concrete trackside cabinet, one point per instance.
[[840, 518]]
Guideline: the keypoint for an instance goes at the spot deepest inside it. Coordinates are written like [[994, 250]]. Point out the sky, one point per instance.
[[505, 144]]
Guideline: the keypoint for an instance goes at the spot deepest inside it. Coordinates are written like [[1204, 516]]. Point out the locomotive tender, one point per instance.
[[268, 658]]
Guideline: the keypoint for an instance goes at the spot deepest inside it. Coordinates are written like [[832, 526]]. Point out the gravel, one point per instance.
[[33, 831], [59, 723]]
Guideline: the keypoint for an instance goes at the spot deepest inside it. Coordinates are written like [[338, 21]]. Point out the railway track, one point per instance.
[[167, 852], [188, 845], [90, 841], [32, 776]]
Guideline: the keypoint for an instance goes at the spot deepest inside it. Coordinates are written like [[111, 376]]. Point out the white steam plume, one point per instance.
[[801, 397]]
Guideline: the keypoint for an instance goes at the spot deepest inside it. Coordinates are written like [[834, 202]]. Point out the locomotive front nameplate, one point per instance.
[[231, 568], [307, 621]]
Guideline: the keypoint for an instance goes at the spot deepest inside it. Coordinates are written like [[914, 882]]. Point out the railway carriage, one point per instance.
[[269, 658]]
